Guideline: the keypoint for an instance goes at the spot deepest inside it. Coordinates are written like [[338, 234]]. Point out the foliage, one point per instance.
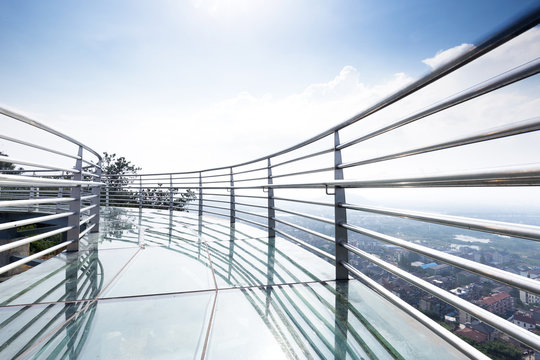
[[160, 198], [8, 167], [40, 245], [496, 350], [121, 173]]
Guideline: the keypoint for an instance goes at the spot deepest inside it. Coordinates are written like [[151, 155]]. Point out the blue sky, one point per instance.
[[145, 68]]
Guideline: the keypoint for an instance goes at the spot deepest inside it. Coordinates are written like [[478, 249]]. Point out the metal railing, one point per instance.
[[54, 198], [269, 192]]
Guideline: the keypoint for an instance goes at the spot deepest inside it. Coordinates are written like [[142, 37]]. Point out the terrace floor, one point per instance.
[[200, 288]]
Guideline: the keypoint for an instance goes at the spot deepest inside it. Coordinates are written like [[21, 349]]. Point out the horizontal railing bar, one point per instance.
[[306, 230], [38, 125], [530, 232], [251, 205], [217, 207], [455, 341], [18, 180], [218, 201], [214, 194], [87, 208], [519, 177], [497, 82], [249, 171], [306, 245], [39, 147], [313, 217], [86, 231], [522, 176], [87, 219], [251, 213], [86, 173], [489, 318], [521, 127], [236, 195], [304, 172], [215, 213], [305, 201], [88, 197], [251, 221], [505, 277], [27, 259], [92, 164], [17, 223], [303, 157], [30, 163], [9, 203], [30, 239]]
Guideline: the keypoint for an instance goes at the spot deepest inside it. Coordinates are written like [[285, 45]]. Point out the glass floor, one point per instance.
[[143, 289]]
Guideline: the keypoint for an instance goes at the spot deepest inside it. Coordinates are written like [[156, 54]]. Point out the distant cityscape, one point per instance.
[[518, 256]]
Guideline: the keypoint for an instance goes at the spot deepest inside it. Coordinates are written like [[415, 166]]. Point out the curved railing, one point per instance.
[[284, 192], [49, 190]]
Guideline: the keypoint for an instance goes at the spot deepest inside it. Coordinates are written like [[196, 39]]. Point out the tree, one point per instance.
[[120, 173], [8, 167]]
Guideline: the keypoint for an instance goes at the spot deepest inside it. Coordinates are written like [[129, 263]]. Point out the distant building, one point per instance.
[[528, 298], [473, 334], [498, 303], [526, 321]]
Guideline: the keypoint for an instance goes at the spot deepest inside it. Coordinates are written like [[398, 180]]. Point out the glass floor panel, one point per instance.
[[174, 287]]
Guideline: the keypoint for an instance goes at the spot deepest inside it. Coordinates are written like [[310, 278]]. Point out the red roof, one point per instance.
[[492, 299], [524, 318], [476, 335]]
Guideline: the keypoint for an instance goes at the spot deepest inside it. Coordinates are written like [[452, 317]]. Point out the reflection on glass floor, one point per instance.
[[184, 287]]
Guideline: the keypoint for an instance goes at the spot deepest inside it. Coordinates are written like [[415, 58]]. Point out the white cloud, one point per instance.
[[444, 56]]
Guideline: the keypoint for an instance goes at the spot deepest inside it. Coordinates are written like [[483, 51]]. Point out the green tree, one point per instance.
[[120, 173]]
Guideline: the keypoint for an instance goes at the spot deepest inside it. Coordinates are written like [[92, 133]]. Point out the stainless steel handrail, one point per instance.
[[33, 196], [224, 185]]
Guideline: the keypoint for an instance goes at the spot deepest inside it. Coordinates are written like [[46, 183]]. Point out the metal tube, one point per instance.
[[231, 199], [492, 84], [521, 127], [10, 203], [38, 125], [340, 216], [306, 230], [23, 261], [489, 318], [313, 217], [518, 281], [530, 232], [17, 223], [307, 246], [455, 341], [30, 239]]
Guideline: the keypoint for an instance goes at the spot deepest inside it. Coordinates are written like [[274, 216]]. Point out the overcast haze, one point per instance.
[[184, 85]]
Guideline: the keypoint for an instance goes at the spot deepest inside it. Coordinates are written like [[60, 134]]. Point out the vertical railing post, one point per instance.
[[96, 190], [107, 191], [232, 200], [140, 193], [75, 206], [60, 194], [171, 194], [340, 215], [171, 205], [32, 194], [271, 210], [200, 195]]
